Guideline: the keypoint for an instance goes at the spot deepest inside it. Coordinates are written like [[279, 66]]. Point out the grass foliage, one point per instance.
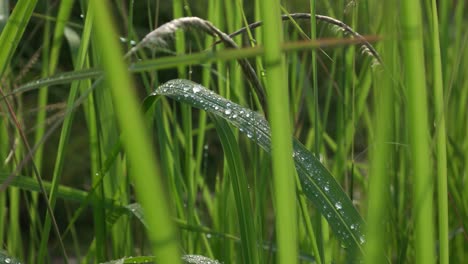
[[329, 132]]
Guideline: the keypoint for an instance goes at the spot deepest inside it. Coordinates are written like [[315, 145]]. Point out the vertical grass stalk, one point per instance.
[[142, 161], [63, 16], [417, 120], [320, 221], [440, 138], [381, 150], [278, 102]]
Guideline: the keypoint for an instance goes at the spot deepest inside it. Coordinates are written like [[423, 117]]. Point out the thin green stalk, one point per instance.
[[4, 13], [63, 16], [240, 190], [381, 150], [144, 169], [178, 11], [415, 82], [317, 130], [440, 138], [58, 170], [39, 133], [282, 162], [91, 113], [14, 237], [4, 151]]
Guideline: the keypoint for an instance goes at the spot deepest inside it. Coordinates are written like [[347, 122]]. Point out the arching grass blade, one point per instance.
[[318, 184]]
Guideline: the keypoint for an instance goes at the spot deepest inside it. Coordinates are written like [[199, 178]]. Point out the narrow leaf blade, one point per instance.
[[318, 184]]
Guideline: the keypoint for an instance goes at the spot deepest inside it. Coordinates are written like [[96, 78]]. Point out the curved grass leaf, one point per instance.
[[318, 184], [197, 259], [187, 259], [61, 78], [140, 259], [114, 207]]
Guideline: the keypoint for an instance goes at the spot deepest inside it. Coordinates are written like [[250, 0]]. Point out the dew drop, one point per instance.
[[196, 89], [326, 188], [338, 205], [228, 111], [362, 240]]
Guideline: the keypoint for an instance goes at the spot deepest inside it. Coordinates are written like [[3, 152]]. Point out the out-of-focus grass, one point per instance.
[[386, 132]]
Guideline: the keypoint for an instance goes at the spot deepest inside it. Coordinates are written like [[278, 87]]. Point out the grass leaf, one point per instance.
[[14, 30], [240, 190], [318, 184]]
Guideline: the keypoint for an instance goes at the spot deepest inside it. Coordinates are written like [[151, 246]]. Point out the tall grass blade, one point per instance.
[[280, 119], [14, 30], [142, 161], [240, 189], [381, 150], [440, 139], [64, 13], [415, 81], [187, 259], [318, 184]]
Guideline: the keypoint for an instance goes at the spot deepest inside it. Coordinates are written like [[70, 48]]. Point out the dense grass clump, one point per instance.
[[231, 132]]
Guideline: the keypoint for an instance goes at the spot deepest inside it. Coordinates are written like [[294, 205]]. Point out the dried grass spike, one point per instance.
[[157, 38], [336, 25]]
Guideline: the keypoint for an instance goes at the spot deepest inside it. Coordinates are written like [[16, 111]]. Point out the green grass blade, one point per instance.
[[61, 78], [64, 13], [14, 30], [187, 259], [63, 192], [381, 150], [417, 114], [319, 185], [142, 161], [440, 139], [240, 188], [280, 119]]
